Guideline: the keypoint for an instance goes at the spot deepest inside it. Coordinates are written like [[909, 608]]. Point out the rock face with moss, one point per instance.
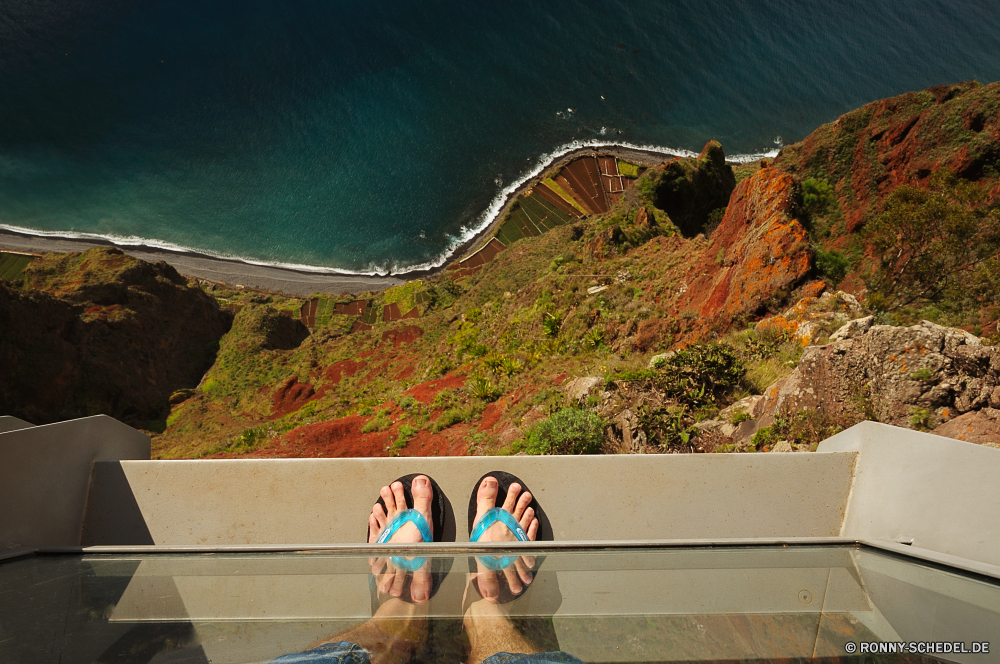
[[101, 332], [759, 251]]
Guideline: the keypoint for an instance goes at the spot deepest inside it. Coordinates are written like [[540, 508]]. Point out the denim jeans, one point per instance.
[[346, 652]]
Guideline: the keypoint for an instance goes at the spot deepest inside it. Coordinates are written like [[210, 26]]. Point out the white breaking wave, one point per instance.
[[484, 221]]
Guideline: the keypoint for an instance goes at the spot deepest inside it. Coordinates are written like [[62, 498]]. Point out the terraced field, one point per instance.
[[585, 186], [12, 265]]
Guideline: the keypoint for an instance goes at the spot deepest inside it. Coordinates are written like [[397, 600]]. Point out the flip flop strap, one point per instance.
[[411, 516], [491, 517]]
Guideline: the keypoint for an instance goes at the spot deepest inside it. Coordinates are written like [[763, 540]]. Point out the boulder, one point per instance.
[[894, 374], [978, 426], [579, 389], [853, 328]]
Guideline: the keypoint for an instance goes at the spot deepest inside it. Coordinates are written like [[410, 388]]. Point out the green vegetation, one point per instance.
[[922, 419], [627, 170], [831, 265], [817, 196], [380, 422], [939, 244], [12, 265], [807, 428], [568, 431], [563, 194]]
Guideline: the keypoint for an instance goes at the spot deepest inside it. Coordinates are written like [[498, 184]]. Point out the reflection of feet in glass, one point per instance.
[[517, 574], [391, 577], [490, 630], [399, 625]]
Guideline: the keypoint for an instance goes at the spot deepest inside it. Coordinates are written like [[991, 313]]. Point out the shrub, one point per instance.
[[493, 362], [806, 427], [510, 366], [832, 265], [379, 423], [482, 388], [451, 417], [404, 434], [930, 242], [700, 374], [922, 419], [569, 431], [817, 196]]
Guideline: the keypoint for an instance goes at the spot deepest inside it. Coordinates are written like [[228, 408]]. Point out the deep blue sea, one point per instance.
[[376, 135]]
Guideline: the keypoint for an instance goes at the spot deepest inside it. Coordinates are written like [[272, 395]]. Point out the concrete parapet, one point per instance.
[[45, 474], [923, 490], [327, 501], [8, 423]]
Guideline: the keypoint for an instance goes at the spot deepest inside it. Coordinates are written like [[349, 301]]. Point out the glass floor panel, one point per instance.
[[623, 605]]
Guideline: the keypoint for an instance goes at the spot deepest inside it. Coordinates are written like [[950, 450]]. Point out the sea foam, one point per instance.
[[468, 233]]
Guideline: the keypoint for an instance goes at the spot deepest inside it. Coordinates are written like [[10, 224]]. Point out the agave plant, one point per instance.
[[551, 324], [482, 388], [494, 362], [593, 338], [510, 366]]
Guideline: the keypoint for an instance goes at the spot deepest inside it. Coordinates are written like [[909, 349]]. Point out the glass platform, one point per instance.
[[770, 603]]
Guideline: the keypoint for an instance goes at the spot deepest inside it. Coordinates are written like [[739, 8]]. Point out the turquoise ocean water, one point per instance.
[[376, 136]]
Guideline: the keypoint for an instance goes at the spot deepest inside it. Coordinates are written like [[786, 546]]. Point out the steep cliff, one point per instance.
[[101, 332]]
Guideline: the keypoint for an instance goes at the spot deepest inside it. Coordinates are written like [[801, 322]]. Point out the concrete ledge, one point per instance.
[[8, 423], [45, 475], [603, 498], [922, 490]]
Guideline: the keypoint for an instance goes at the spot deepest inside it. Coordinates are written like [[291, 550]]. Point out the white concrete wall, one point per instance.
[[327, 501], [45, 475], [924, 490]]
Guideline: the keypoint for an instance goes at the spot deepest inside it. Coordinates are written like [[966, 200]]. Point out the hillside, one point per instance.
[[685, 306]]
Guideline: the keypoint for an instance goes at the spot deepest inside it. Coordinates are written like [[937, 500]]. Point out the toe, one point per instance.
[[420, 585], [532, 530], [373, 528], [486, 497], [511, 500], [423, 495], [397, 583], [489, 586], [399, 494], [522, 505], [513, 582], [389, 500], [526, 518]]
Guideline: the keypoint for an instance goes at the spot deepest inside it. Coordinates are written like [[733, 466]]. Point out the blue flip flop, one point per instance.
[[439, 566], [500, 515]]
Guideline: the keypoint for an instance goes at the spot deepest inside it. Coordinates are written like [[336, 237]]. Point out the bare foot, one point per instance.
[[389, 578], [519, 574]]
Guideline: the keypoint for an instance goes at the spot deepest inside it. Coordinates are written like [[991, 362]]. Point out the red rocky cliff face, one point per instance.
[[758, 251], [869, 152]]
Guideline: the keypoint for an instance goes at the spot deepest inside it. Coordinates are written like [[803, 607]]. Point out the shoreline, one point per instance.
[[302, 283]]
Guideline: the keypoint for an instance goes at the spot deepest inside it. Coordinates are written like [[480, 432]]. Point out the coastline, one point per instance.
[[304, 282]]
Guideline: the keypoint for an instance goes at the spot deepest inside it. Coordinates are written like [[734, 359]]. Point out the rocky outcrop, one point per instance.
[[690, 190], [758, 252], [978, 426], [101, 332], [925, 377], [919, 375]]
